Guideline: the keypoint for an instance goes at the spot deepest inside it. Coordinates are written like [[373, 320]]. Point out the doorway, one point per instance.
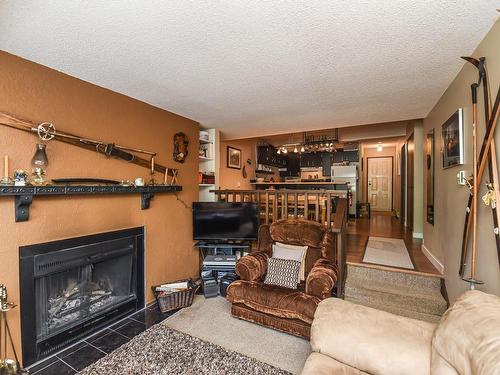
[[380, 181], [410, 171], [402, 169]]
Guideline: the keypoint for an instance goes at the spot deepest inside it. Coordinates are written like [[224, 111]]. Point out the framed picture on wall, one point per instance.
[[429, 164], [233, 157], [452, 140]]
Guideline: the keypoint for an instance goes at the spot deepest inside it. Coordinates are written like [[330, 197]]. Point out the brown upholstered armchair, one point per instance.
[[280, 308]]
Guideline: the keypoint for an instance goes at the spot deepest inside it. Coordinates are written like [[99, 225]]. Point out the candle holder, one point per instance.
[[6, 181]]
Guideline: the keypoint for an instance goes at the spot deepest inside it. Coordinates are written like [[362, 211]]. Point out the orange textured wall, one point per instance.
[[231, 178], [42, 94]]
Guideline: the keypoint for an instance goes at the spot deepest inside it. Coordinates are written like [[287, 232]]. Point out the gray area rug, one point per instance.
[[164, 351], [210, 320]]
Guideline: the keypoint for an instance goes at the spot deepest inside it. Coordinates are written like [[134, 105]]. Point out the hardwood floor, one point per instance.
[[359, 230]]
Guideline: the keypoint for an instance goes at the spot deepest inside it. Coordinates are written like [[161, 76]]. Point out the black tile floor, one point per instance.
[[93, 348]]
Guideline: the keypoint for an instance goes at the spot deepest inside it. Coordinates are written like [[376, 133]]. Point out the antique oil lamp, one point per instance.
[[39, 163]]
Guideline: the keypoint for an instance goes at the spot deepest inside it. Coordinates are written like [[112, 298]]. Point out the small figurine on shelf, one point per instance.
[[20, 178]]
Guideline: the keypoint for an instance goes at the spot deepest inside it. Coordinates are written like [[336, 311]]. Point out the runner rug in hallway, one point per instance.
[[387, 252]]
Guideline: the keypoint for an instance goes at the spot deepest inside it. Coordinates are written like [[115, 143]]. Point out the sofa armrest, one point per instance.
[[321, 279], [252, 267], [371, 340]]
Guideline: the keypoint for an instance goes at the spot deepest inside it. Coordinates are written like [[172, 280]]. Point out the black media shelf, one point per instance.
[[23, 195]]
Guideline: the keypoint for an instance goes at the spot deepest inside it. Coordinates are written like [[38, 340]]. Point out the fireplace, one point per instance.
[[73, 287]]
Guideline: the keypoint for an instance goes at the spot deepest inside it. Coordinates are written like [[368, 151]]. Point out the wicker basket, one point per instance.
[[176, 300]]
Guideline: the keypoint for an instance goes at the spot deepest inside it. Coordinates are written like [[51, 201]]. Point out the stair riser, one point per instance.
[[397, 311], [415, 281], [432, 306]]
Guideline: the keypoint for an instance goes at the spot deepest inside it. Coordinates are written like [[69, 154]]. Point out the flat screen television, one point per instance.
[[221, 221]]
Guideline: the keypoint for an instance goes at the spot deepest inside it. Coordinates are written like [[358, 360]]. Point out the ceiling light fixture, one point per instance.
[[302, 149], [279, 151], [285, 150], [295, 149], [379, 147]]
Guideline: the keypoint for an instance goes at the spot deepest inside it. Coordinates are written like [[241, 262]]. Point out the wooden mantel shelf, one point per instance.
[[23, 195]]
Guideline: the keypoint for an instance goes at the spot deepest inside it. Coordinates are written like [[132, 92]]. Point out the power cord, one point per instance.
[[182, 201]]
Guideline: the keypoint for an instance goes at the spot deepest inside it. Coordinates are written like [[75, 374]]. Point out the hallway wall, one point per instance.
[[443, 239]]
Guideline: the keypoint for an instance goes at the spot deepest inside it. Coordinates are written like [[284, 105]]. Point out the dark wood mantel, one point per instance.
[[23, 195]]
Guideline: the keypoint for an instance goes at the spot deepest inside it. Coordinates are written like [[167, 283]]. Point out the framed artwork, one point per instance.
[[452, 144], [233, 157], [429, 164]]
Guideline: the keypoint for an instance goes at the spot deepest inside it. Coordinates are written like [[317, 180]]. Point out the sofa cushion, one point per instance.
[[468, 336], [273, 300], [283, 272], [320, 364], [371, 340]]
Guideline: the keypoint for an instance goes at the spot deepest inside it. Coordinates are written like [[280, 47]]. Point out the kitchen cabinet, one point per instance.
[[268, 155]]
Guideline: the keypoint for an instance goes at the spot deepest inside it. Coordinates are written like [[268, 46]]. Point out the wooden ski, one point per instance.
[[108, 149], [485, 158]]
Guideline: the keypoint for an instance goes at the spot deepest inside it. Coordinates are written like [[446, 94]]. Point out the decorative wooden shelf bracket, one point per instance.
[[23, 195], [22, 207], [145, 200]]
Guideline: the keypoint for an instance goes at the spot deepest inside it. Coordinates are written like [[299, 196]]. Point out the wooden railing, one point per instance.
[[323, 206], [329, 207]]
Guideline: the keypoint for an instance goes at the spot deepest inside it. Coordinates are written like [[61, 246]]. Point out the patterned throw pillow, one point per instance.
[[282, 272], [286, 251]]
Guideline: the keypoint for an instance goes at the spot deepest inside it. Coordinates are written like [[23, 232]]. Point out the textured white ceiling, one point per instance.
[[255, 68]]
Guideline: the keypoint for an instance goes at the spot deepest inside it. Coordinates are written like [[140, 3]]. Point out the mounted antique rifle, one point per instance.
[[46, 131], [485, 156]]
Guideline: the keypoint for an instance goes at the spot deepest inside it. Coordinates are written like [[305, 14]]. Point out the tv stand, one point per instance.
[[238, 248]]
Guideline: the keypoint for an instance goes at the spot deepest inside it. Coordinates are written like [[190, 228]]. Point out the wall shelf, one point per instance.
[[264, 172], [204, 158], [23, 195]]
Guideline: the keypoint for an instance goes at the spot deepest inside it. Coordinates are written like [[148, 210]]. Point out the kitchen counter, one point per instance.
[[337, 184]]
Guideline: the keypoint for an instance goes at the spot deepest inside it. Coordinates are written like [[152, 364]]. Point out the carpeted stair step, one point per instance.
[[421, 300], [398, 311], [431, 303], [407, 294], [409, 279]]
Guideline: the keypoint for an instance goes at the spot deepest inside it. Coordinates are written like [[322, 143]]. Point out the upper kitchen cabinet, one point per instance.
[[267, 155]]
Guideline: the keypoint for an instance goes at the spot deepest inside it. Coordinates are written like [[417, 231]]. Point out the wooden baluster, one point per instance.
[[328, 209], [296, 208], [275, 207], [316, 202], [267, 207], [285, 206], [306, 206]]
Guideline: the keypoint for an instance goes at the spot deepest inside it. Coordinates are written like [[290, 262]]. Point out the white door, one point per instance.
[[380, 183]]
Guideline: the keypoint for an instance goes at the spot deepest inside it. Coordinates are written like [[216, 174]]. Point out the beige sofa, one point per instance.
[[350, 339]]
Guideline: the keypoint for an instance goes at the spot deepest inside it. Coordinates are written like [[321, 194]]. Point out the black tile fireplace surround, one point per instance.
[[73, 287]]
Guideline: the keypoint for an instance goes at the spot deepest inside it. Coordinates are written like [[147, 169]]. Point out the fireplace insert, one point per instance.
[[73, 287]]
